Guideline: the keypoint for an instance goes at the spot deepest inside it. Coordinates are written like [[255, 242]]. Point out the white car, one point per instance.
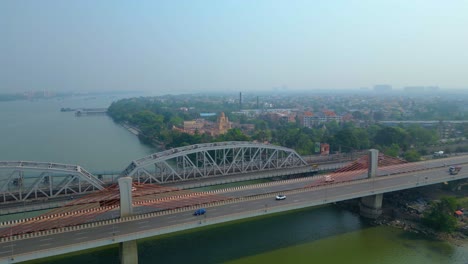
[[280, 197]]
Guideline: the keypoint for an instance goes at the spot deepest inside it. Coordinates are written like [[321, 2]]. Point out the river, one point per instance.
[[38, 131]]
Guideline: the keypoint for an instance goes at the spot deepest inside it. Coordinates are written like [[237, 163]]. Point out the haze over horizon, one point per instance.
[[195, 46]]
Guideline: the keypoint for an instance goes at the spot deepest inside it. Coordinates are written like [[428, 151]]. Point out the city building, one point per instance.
[[203, 126]]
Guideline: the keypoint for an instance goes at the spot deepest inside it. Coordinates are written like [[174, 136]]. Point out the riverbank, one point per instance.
[[404, 210], [132, 129]]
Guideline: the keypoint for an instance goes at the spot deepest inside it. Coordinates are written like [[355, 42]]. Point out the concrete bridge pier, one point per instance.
[[128, 250], [371, 206]]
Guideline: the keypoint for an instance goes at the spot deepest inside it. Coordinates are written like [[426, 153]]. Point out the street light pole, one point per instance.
[[11, 242]]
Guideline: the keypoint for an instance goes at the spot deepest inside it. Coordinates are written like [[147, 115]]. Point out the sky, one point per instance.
[[240, 45]]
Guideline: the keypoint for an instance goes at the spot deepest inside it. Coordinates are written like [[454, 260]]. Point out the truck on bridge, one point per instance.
[[454, 170]]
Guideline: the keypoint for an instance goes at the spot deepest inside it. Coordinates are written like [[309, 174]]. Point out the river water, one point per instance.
[[38, 131]]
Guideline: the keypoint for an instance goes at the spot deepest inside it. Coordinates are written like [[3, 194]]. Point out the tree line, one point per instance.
[[157, 117]]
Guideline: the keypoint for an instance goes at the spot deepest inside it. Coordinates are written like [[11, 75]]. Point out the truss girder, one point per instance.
[[212, 159], [33, 180]]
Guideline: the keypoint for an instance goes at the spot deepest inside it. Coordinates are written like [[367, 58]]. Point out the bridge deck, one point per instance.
[[256, 201]]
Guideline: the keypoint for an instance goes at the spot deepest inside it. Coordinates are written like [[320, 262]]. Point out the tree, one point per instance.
[[440, 215], [346, 139], [262, 135], [412, 155], [391, 135], [420, 136], [304, 145], [233, 134], [393, 150]]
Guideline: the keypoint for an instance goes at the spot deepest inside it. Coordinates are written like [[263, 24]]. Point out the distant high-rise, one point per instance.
[[382, 88], [240, 100]]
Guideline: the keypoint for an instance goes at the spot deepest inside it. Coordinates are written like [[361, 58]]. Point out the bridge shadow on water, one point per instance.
[[230, 241]]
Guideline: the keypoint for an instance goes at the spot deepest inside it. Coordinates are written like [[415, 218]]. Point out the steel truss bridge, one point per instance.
[[26, 180], [22, 180], [211, 159]]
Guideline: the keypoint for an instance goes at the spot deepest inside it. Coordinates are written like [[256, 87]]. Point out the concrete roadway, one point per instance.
[[92, 237]]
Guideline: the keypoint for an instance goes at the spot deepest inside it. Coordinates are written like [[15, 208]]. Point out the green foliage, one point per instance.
[[412, 155], [262, 135], [393, 150], [388, 136], [234, 134], [440, 215], [420, 136]]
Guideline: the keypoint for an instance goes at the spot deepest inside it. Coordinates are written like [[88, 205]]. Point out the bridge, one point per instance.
[[25, 180], [93, 220]]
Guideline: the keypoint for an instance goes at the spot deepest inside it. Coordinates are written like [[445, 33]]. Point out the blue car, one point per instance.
[[200, 211]]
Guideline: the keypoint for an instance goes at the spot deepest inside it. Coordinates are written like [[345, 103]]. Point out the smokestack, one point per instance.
[[240, 100]]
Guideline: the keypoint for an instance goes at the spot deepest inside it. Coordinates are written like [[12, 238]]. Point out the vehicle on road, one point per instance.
[[454, 170], [329, 178], [439, 154], [280, 197], [200, 211]]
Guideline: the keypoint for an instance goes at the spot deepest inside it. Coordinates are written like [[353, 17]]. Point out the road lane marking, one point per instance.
[[171, 217], [9, 246], [79, 238], [5, 252], [47, 244], [45, 239], [81, 233], [145, 226], [142, 222]]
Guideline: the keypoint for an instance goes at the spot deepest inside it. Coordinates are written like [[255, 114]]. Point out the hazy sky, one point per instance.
[[181, 46]]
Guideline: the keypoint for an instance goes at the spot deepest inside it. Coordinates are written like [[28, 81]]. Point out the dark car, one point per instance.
[[200, 211]]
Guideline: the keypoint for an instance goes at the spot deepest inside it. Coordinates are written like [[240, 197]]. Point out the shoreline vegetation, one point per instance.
[[406, 210]]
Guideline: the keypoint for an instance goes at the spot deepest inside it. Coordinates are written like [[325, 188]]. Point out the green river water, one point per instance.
[[316, 235]]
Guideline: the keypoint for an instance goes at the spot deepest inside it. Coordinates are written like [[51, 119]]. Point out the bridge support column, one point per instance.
[[128, 249], [373, 163], [128, 252], [371, 206], [125, 188]]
